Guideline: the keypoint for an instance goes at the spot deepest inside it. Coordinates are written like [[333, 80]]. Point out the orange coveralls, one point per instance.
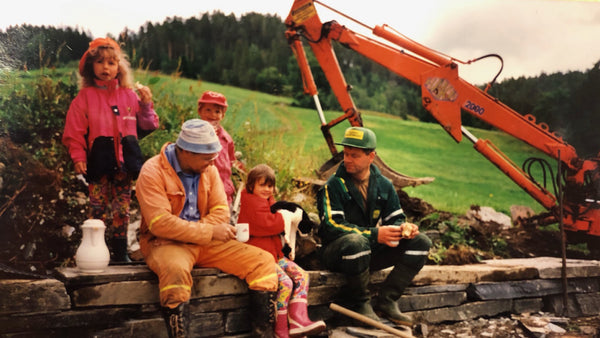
[[173, 246]]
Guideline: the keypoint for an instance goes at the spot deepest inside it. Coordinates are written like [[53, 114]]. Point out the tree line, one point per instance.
[[251, 52]]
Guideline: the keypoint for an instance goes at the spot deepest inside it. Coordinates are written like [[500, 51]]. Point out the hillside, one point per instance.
[[43, 204]]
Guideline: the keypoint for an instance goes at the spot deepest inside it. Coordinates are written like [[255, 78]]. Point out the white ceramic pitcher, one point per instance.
[[92, 256]]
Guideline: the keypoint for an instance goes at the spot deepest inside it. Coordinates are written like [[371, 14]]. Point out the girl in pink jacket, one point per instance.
[[266, 228], [101, 133]]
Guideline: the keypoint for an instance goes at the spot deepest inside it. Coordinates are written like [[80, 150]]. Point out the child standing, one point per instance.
[[212, 107], [101, 135], [265, 232]]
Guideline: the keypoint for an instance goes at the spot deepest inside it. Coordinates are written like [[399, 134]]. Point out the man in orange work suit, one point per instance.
[[185, 223]]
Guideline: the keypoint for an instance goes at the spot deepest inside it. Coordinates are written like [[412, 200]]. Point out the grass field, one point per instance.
[[268, 129]]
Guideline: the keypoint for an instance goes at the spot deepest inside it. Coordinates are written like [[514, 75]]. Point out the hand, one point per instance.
[[144, 92], [394, 233], [81, 168], [409, 230], [223, 232], [388, 234]]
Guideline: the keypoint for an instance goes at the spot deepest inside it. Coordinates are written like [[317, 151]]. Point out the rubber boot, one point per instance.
[[119, 250], [262, 308], [281, 325], [386, 303], [177, 320], [300, 324], [356, 295]]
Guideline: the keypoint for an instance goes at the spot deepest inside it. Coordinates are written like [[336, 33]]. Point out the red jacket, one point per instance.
[[265, 227]]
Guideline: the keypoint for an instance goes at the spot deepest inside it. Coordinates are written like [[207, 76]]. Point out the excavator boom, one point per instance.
[[445, 95]]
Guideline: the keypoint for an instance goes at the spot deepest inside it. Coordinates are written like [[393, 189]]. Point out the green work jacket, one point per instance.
[[342, 210]]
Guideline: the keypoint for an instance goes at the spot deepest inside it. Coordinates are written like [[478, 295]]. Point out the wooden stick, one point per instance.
[[369, 321], [11, 200]]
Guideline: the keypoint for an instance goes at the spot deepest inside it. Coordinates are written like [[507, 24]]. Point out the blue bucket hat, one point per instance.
[[198, 136]]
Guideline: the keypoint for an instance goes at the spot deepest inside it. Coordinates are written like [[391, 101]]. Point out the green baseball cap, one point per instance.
[[359, 137]]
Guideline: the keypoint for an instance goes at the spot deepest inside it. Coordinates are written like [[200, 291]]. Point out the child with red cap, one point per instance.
[[101, 134], [211, 108]]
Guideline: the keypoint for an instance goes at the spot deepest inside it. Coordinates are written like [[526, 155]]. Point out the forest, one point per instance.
[[251, 52]]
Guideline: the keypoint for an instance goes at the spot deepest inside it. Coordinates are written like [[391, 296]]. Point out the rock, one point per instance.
[[543, 331], [27, 296], [81, 198], [519, 213], [67, 231], [488, 214]]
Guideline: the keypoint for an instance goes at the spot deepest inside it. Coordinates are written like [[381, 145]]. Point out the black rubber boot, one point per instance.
[[119, 250], [262, 308], [386, 302], [355, 295], [177, 320]]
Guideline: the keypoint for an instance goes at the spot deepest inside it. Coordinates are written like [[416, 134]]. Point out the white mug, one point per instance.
[[395, 243], [242, 232]]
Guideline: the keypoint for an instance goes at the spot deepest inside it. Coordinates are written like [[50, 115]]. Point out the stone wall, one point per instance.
[[123, 301]]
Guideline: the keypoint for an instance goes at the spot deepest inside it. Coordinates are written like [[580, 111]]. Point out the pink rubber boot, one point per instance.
[[281, 325], [300, 324]]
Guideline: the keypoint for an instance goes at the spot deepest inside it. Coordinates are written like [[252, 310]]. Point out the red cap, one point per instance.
[[99, 42], [213, 97]]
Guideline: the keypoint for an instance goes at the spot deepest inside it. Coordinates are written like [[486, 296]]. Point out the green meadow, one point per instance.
[[269, 129]]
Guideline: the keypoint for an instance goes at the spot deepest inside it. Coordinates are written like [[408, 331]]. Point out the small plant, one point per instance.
[[499, 246], [437, 253], [579, 247]]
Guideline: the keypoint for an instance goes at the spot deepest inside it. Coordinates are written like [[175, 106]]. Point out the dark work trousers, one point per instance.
[[352, 254]]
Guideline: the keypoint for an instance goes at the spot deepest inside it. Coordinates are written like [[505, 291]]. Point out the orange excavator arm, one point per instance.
[[445, 95]]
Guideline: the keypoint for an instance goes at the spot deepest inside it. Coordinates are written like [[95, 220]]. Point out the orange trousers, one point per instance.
[[173, 263]]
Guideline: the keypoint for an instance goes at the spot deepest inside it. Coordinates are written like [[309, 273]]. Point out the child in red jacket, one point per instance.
[[101, 134], [266, 228]]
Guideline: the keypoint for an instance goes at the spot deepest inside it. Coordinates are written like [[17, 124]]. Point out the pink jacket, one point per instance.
[[265, 227], [91, 116], [161, 196], [225, 161]]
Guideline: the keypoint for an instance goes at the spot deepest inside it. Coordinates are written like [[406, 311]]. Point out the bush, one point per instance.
[[34, 117]]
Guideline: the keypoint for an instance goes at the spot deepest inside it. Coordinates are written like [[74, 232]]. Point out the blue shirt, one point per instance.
[[190, 184]]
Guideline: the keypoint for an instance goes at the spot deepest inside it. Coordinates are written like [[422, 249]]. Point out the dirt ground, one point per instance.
[[536, 325]]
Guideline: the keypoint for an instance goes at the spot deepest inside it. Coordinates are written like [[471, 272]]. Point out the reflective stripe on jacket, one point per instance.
[[342, 211], [161, 196]]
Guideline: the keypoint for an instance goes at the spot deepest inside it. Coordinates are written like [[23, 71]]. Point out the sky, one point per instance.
[[532, 36]]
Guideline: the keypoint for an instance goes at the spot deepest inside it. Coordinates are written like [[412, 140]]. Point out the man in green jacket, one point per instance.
[[364, 229]]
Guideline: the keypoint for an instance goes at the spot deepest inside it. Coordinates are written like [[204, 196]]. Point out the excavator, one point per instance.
[[576, 202]]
